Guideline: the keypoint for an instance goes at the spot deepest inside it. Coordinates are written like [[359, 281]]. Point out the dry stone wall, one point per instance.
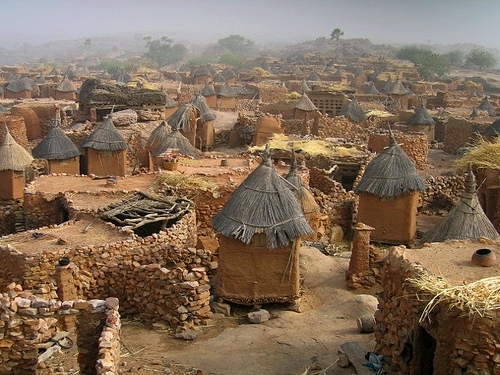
[[11, 216], [28, 319], [338, 127]]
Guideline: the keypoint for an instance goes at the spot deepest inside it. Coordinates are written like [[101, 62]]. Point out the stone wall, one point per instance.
[[459, 133], [28, 319], [11, 216], [162, 276], [338, 127], [446, 342], [415, 145]]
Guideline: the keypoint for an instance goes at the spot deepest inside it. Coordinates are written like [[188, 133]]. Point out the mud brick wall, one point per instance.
[[28, 319], [464, 345], [42, 209], [415, 146]]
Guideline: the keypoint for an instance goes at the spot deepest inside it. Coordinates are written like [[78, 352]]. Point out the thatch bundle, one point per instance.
[[486, 155], [282, 142], [183, 181], [474, 298]]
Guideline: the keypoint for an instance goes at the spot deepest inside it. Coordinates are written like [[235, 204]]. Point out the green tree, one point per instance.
[[427, 62], [455, 57], [235, 44], [481, 59], [335, 35], [88, 44], [163, 51]]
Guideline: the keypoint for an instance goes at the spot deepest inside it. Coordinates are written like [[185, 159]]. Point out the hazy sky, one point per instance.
[[403, 21]]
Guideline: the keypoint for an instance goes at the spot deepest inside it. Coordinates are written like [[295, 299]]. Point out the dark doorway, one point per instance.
[[424, 347]]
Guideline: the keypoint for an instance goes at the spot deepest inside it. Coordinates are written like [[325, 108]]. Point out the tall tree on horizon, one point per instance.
[[335, 35]]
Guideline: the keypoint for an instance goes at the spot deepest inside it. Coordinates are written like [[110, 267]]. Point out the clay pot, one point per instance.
[[484, 258]]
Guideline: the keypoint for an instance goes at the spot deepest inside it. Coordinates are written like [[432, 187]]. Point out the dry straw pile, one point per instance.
[[486, 155], [472, 299]]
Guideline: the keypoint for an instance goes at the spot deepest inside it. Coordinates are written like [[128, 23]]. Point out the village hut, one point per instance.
[[219, 78], [65, 90], [201, 76], [465, 221], [40, 80], [304, 108], [184, 119], [105, 150], [229, 75], [20, 88], [388, 195], [308, 204], [209, 94], [226, 97], [60, 152], [314, 77], [13, 162], [304, 88], [205, 132], [170, 106], [297, 72], [372, 90], [259, 231], [399, 93], [486, 106], [388, 86], [172, 148], [353, 111], [422, 122], [265, 128], [339, 76]]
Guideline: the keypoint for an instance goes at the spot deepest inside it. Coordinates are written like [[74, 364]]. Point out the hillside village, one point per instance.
[[180, 198]]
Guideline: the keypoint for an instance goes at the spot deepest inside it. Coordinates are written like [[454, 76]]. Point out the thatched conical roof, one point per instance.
[[219, 78], [306, 200], [105, 137], [40, 80], [226, 91], [390, 173], [176, 140], [465, 221], [206, 114], [122, 77], [208, 89], [353, 111], [263, 203], [421, 117], [157, 136], [56, 145], [179, 120], [305, 104], [304, 88], [339, 73], [22, 84], [372, 90], [493, 130], [388, 86], [486, 106], [66, 85], [314, 77], [169, 102], [13, 157], [397, 89]]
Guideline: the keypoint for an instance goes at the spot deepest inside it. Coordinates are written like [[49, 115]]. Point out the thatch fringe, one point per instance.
[[305, 104], [465, 221], [158, 136], [105, 138], [472, 299], [177, 141], [263, 203], [421, 117], [353, 111], [13, 157], [390, 173], [56, 145], [206, 114]]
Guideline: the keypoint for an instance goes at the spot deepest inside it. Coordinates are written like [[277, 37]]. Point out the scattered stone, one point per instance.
[[259, 316], [190, 334]]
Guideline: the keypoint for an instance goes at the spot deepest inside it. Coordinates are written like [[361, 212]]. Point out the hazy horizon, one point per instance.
[[384, 21]]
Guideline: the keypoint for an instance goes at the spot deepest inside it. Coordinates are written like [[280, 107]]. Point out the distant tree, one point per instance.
[[480, 58], [427, 62], [335, 35], [455, 57], [88, 44], [232, 60], [235, 44], [163, 51]]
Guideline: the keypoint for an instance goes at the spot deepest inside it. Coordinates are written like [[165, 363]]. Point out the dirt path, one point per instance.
[[287, 344]]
